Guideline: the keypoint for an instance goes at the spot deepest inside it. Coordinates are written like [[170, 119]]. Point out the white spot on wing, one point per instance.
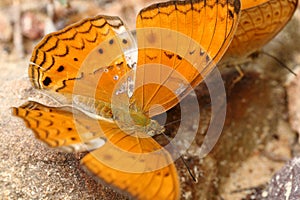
[[116, 77], [87, 146], [182, 87]]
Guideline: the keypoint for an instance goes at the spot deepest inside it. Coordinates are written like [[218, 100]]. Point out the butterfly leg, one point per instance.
[[238, 78]]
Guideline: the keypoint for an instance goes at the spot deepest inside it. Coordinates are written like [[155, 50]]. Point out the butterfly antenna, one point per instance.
[[189, 169], [280, 62], [173, 122], [183, 160]]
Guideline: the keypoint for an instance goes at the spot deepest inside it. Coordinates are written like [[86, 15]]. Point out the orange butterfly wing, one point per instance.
[[57, 127], [121, 162], [77, 59], [260, 22], [189, 37], [149, 175]]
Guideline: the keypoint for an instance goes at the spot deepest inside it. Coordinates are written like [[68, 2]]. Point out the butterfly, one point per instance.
[[260, 22], [112, 82]]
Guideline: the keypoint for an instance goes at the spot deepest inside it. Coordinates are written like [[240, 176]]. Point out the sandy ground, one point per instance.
[[256, 142]]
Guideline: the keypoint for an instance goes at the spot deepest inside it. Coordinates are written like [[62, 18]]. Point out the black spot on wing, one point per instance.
[[61, 68], [124, 41], [47, 81], [169, 55]]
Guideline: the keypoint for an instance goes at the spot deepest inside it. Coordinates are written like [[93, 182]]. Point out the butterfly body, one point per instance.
[[137, 121]]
